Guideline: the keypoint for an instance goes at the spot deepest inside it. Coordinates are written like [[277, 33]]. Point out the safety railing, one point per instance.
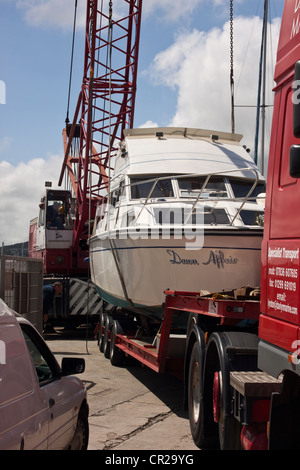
[[214, 200]]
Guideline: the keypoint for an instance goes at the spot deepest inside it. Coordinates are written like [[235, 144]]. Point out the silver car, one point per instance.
[[42, 406]]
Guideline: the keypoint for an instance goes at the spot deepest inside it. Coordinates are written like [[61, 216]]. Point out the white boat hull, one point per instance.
[[137, 272]]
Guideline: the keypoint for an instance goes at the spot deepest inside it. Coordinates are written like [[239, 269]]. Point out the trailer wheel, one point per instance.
[[117, 356], [100, 335], [195, 403], [106, 336]]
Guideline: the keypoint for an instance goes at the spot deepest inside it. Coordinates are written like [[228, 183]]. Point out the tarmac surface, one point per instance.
[[131, 407]]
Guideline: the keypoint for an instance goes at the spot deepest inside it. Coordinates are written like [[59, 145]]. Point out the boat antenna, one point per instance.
[[231, 69], [261, 89], [263, 106]]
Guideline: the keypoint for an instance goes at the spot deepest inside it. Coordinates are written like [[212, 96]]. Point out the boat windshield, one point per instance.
[[241, 188], [219, 187], [191, 186], [142, 188]]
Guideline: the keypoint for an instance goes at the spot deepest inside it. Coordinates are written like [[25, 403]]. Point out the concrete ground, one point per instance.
[[131, 408]]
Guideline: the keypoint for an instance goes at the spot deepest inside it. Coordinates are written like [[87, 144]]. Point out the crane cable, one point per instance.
[[71, 66], [70, 82], [231, 69]]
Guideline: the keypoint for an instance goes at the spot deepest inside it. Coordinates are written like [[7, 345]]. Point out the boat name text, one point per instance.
[[176, 259], [216, 257]]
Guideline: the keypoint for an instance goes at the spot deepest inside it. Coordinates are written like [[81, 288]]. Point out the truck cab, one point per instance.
[[280, 308]]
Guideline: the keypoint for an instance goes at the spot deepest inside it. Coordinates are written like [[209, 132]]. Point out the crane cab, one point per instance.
[[51, 233]]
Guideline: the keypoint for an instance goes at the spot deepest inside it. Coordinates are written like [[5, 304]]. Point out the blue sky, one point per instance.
[[183, 80]]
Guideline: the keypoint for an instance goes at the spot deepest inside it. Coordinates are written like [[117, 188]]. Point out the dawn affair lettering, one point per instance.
[[176, 259], [216, 257]]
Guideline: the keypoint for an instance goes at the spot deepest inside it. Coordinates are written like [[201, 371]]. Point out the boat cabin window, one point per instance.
[[142, 188], [241, 189], [190, 187], [252, 217], [207, 216]]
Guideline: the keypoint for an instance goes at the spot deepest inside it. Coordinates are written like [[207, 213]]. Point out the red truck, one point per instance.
[[240, 356]]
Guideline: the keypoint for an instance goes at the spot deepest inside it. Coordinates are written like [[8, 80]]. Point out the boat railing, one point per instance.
[[214, 200]]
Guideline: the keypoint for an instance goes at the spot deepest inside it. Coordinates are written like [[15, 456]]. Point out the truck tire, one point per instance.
[[106, 335], [202, 434], [204, 437], [117, 356], [195, 404], [100, 335], [223, 355]]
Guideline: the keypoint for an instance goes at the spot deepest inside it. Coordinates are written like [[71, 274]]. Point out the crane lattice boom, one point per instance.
[[106, 102]]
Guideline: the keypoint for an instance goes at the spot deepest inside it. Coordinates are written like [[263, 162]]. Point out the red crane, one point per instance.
[[105, 104], [105, 107]]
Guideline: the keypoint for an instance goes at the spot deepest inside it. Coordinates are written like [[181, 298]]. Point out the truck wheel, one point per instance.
[[229, 432], [229, 427], [226, 351], [117, 356], [195, 403], [106, 339], [100, 335]]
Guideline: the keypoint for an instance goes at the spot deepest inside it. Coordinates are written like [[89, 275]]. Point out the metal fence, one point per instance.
[[21, 287]]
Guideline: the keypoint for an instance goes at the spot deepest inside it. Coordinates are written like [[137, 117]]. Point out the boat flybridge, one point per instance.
[[184, 212]]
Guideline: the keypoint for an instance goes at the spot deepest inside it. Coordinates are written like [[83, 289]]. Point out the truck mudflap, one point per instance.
[[276, 426], [284, 432]]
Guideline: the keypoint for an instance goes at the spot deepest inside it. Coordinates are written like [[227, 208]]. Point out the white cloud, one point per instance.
[[55, 13], [148, 124], [197, 65], [170, 9], [21, 187], [52, 13], [174, 10]]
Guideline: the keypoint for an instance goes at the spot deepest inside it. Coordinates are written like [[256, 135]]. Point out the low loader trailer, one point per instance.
[[216, 357]]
